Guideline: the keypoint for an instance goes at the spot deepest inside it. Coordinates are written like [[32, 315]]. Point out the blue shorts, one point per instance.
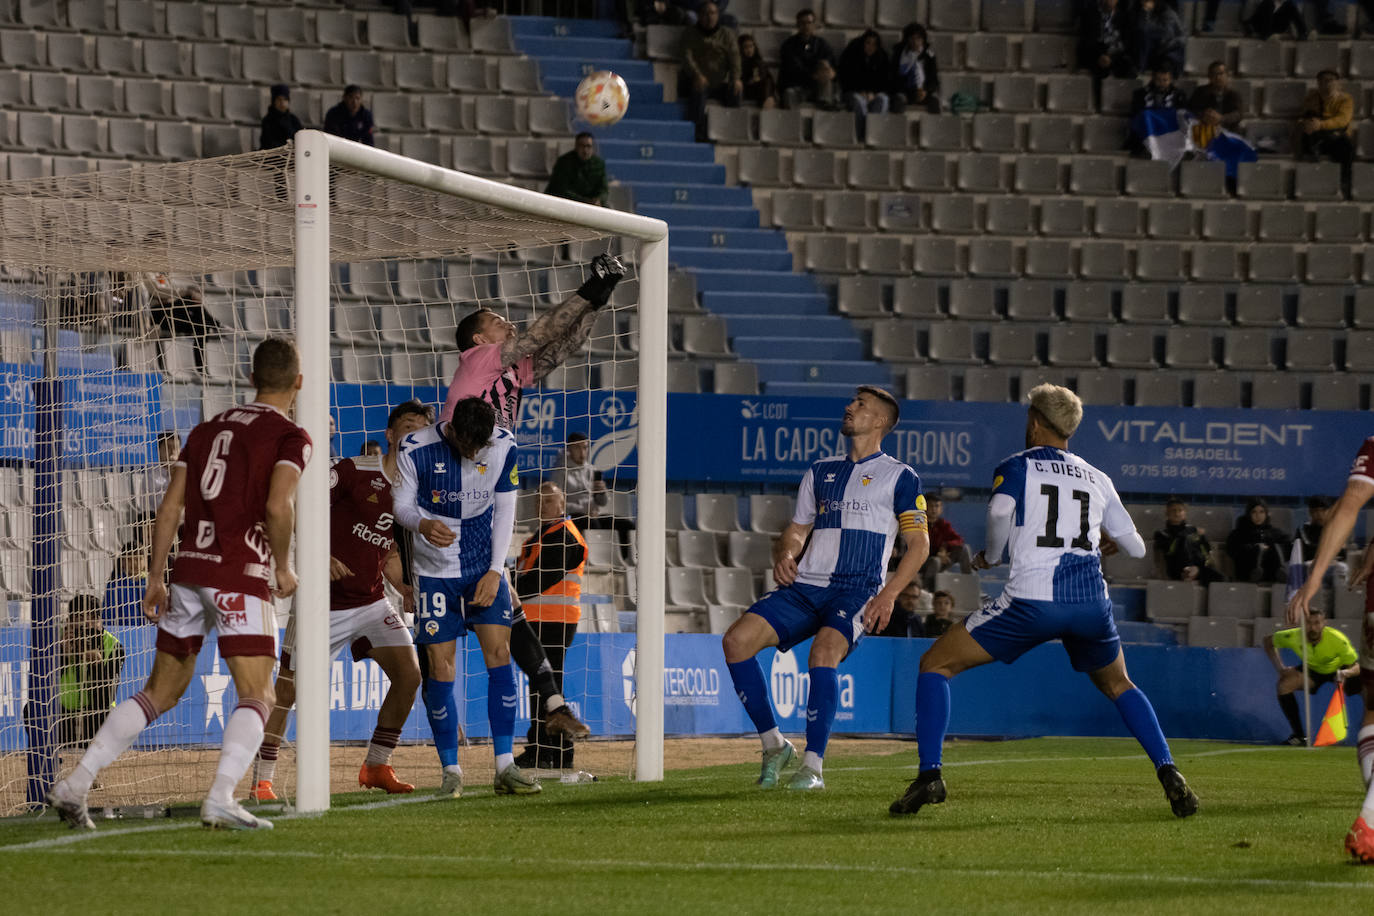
[[443, 612], [1007, 627], [797, 612]]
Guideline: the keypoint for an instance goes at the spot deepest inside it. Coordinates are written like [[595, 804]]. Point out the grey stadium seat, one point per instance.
[[1225, 221], [1276, 391], [995, 133], [952, 342], [1006, 215], [1170, 219], [1049, 259], [1073, 346], [974, 300], [953, 214], [1310, 351], [1321, 307], [1188, 348], [1094, 176], [1130, 347], [924, 172], [987, 384], [1010, 345], [1031, 301], [1066, 216], [1247, 349], [1145, 303], [1201, 304], [1036, 175], [1216, 389], [1239, 600], [929, 383], [1104, 387], [1260, 307], [894, 340], [1102, 261], [1159, 389], [1215, 633], [1088, 302], [1167, 599], [1118, 218], [1272, 264]]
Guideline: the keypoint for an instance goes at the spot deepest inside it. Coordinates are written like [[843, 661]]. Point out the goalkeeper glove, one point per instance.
[[605, 271]]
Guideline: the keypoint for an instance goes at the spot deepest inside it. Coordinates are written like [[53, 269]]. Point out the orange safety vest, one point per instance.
[[562, 601]]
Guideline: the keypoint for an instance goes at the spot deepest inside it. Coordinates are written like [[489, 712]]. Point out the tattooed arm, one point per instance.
[[556, 352], [556, 335]]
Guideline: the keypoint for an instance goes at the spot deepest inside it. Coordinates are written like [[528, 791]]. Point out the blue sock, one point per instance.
[[932, 718], [501, 701], [820, 708], [752, 691], [1139, 715], [442, 710]]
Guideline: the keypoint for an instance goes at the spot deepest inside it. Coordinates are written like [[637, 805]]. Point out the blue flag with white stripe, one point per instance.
[[1165, 132], [1230, 150]]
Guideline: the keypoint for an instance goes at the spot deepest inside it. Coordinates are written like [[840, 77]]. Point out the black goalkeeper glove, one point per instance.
[[605, 271]]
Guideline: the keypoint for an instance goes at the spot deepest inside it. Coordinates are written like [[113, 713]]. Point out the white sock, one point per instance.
[[772, 739], [242, 736], [503, 761], [553, 701], [813, 760], [265, 767], [454, 768], [119, 730], [1364, 751]]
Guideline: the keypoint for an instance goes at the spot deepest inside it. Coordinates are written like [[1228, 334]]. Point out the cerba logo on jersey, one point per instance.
[[232, 608], [457, 496]]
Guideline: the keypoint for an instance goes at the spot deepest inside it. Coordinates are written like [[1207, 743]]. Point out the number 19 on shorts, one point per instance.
[[431, 604]]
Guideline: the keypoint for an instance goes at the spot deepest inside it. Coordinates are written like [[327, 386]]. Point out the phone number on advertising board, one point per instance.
[[1188, 471]]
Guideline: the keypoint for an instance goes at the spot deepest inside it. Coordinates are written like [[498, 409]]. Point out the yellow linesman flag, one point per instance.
[[1334, 724]]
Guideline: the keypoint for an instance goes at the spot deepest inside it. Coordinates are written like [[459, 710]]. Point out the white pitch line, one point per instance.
[[640, 864]]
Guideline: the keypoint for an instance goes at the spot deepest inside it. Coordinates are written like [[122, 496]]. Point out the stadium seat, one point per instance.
[[1067, 95], [941, 132], [1338, 223], [1310, 351], [1215, 633], [964, 588], [1104, 387], [500, 115], [1272, 264], [924, 172], [1042, 53], [39, 131], [1261, 181], [779, 127], [1102, 261], [1319, 181], [1015, 92], [1276, 391], [916, 298], [736, 378], [846, 211], [697, 548], [754, 549], [1335, 392], [1247, 350], [705, 335], [1215, 263], [952, 342], [1170, 600], [1329, 264], [1050, 259], [1050, 135], [1321, 307], [1282, 223], [1161, 261], [953, 214], [1094, 176], [1225, 221], [1145, 303], [1012, 345], [987, 384], [1198, 179], [717, 512], [814, 168], [929, 383], [1203, 305], [1036, 175], [1169, 219], [1104, 135], [1072, 346], [936, 257], [1239, 600], [733, 586], [128, 138], [768, 514], [336, 29], [979, 173], [882, 255], [1158, 389], [1005, 215], [1066, 216], [46, 90], [887, 131], [1148, 178], [1131, 347], [1259, 307], [1188, 348], [834, 130], [1118, 218], [994, 133], [686, 587], [1088, 302], [1031, 301], [894, 340]]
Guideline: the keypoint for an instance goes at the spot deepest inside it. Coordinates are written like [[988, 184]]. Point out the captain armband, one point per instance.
[[913, 520]]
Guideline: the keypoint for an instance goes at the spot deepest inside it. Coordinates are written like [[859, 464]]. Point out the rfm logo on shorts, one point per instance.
[[232, 609]]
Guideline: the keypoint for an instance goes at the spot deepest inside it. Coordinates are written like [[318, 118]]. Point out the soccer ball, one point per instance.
[[602, 99]]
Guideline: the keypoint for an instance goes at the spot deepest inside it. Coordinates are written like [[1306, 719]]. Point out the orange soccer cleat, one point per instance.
[[1359, 842], [382, 776], [262, 791]]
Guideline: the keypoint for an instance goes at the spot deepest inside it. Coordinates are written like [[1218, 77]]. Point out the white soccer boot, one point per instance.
[[230, 816], [70, 806]]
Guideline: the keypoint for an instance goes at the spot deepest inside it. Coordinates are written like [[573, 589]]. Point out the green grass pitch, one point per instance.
[[1045, 825]]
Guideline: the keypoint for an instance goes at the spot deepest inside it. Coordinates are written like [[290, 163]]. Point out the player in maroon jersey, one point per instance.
[[362, 555], [1359, 487], [236, 480]]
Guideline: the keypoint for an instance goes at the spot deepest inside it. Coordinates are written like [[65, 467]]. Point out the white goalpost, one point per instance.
[[130, 304]]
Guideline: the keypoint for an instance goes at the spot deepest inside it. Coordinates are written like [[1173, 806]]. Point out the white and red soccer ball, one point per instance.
[[602, 99]]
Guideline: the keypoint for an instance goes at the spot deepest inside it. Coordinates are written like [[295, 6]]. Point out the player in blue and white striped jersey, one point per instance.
[[457, 490], [1048, 507], [852, 506]]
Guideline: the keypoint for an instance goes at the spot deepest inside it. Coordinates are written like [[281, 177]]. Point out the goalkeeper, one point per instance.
[[497, 361]]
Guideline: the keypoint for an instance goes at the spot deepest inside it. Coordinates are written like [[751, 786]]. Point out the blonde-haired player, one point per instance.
[[1048, 507]]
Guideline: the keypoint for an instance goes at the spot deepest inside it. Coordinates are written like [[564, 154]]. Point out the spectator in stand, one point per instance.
[[825, 92], [941, 615], [1309, 535], [1215, 104], [580, 484], [580, 174], [799, 56], [372, 448], [1157, 37], [1277, 17], [759, 87], [906, 617], [280, 123], [1327, 124], [865, 77], [1159, 93], [710, 66], [178, 310], [1182, 551], [666, 12], [947, 546], [349, 119], [1258, 550], [125, 587], [915, 74], [1102, 47], [1326, 23]]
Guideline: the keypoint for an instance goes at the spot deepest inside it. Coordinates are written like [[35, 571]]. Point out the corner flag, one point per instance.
[[1334, 725]]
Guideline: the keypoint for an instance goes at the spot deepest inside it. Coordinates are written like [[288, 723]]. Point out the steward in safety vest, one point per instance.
[[90, 659], [549, 572]]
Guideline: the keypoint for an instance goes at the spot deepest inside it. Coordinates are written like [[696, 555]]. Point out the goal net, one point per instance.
[[130, 304]]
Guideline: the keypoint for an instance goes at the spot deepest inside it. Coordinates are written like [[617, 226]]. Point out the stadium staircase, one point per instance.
[[777, 318]]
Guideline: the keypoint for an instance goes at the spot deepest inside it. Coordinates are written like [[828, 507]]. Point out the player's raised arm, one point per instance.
[[559, 333], [1335, 533], [164, 532]]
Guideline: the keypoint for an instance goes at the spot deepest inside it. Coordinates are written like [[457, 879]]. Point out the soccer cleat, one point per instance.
[[562, 722], [70, 807], [382, 776], [1182, 799], [926, 789], [451, 787], [774, 762], [806, 778], [230, 816], [1359, 841], [1295, 741], [262, 791], [515, 781]]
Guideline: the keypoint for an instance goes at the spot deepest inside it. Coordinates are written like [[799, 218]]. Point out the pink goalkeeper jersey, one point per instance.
[[481, 375]]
